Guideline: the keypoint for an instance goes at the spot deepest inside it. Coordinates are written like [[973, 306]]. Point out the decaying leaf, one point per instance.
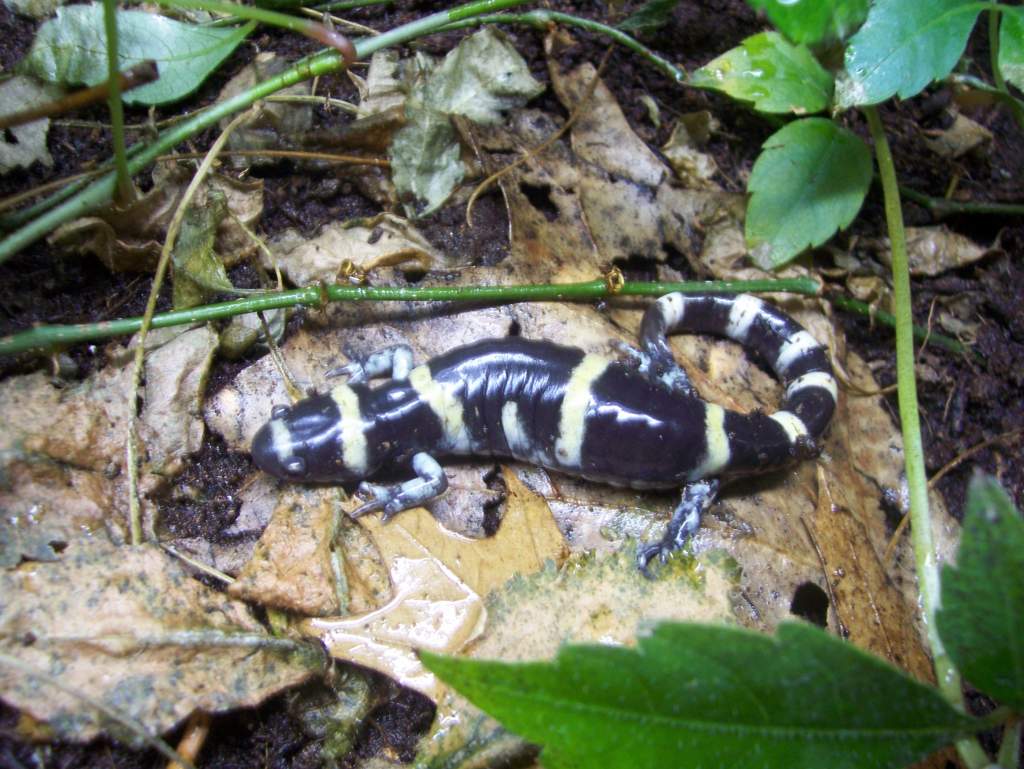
[[62, 450], [273, 125], [383, 241], [198, 273], [480, 79], [934, 250], [431, 608], [129, 627], [600, 599], [693, 167], [293, 566], [963, 136], [382, 90], [23, 145], [130, 238]]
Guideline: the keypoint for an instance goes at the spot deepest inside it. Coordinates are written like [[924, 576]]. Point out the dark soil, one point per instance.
[[967, 400]]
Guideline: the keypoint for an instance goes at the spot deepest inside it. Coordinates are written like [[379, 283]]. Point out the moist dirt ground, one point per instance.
[[972, 406]]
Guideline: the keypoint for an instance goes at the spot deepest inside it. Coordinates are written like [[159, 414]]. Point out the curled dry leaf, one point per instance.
[[62, 449], [275, 122], [483, 77], [962, 136], [130, 628], [934, 250], [694, 168], [383, 241], [382, 90], [129, 239]]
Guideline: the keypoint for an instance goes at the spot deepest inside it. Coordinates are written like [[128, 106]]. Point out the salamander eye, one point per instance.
[[278, 411], [295, 466]]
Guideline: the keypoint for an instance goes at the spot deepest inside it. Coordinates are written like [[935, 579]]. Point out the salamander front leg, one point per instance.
[[394, 362], [430, 482], [697, 497]]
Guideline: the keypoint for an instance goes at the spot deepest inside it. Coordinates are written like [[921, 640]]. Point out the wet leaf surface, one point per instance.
[[130, 628]]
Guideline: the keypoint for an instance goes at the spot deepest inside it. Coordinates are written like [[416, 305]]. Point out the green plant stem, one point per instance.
[[921, 334], [946, 674], [325, 62], [940, 207], [348, 5], [1009, 749], [48, 337], [994, 16], [125, 193], [542, 18], [993, 46]]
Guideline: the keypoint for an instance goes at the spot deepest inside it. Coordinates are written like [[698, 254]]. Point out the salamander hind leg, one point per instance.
[[696, 498], [430, 482], [394, 362]]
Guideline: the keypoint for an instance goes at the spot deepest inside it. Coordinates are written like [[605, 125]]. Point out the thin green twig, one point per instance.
[[921, 334], [49, 337], [100, 191], [946, 674], [543, 18], [940, 207], [125, 192]]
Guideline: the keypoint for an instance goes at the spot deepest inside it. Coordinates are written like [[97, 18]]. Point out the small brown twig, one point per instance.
[[140, 74]]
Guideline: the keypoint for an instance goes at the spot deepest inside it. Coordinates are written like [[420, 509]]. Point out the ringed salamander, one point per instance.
[[637, 422]]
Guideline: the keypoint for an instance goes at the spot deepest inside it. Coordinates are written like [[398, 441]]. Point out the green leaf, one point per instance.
[[71, 49], [771, 72], [480, 79], [1011, 45], [651, 16], [701, 695], [903, 46], [808, 182], [816, 21], [981, 621]]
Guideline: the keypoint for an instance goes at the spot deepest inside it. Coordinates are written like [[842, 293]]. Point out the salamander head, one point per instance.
[[317, 439]]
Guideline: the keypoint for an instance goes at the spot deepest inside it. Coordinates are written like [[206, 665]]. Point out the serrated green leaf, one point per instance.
[[814, 21], [70, 49], [981, 621], [649, 17], [903, 46], [713, 696], [480, 79], [809, 181], [771, 72], [1011, 45]]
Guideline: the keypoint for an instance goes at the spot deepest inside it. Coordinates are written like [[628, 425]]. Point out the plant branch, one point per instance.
[[46, 338], [940, 207], [125, 191], [543, 18], [946, 674]]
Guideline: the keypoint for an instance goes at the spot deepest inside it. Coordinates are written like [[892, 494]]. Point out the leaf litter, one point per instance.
[[412, 583]]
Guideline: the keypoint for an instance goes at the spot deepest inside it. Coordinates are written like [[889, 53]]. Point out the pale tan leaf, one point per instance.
[[62, 449], [129, 627]]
